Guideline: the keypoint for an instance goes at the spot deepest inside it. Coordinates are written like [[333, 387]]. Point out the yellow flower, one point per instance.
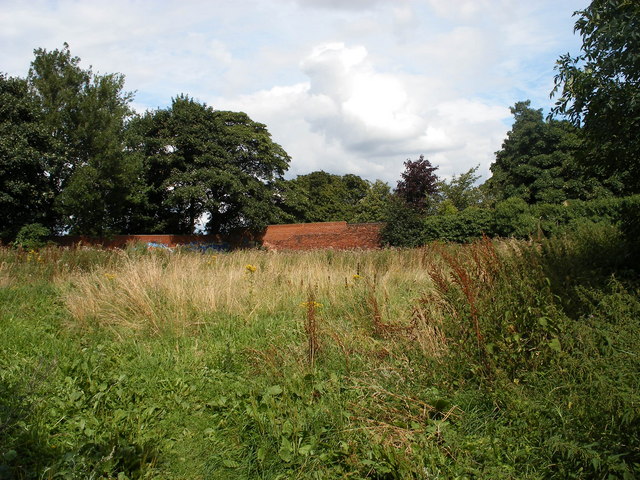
[[251, 268], [110, 276], [357, 277], [311, 304]]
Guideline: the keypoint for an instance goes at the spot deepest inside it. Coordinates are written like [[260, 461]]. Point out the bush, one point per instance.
[[403, 225], [515, 218], [462, 227], [32, 237]]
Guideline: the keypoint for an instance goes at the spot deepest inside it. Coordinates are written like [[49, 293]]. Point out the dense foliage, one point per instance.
[[537, 161], [26, 191], [75, 158], [515, 218], [323, 197], [196, 161], [492, 360], [600, 90], [418, 184]]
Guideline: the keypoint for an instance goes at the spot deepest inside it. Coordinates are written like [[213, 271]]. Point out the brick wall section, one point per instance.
[[299, 236], [309, 236]]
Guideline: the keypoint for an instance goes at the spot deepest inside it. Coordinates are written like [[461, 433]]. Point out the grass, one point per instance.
[[491, 360]]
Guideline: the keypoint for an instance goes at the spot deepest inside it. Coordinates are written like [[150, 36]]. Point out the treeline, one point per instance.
[[75, 157], [580, 165]]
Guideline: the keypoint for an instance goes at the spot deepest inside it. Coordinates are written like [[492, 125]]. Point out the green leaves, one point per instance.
[[324, 197], [537, 161], [202, 162], [26, 188], [599, 89]]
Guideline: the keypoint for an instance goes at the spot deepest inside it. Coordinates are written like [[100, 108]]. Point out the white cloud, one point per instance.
[[348, 86], [350, 118], [340, 4]]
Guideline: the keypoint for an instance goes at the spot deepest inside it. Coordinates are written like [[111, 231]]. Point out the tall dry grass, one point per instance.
[[177, 291], [369, 303]]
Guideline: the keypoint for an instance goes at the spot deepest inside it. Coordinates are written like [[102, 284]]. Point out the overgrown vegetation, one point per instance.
[[515, 218], [507, 359]]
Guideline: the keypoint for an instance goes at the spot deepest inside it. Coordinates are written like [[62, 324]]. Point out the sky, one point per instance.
[[345, 86]]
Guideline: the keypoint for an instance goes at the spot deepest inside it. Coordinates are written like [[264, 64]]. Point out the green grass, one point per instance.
[[491, 360]]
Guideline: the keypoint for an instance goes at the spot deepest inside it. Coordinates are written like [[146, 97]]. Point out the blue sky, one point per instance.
[[346, 86]]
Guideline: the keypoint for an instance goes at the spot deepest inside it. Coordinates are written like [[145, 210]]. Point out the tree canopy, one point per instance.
[[323, 197], [599, 90], [75, 158], [418, 185], [537, 161], [460, 192], [197, 161], [85, 115], [26, 190]]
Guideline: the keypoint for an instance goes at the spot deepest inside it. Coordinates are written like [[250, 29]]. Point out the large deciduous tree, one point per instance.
[[85, 115], [600, 90], [26, 190], [202, 163], [537, 161]]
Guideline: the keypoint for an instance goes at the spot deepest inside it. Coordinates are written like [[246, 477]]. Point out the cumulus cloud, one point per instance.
[[351, 118], [340, 4], [353, 86]]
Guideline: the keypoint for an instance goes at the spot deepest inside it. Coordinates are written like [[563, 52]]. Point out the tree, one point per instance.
[[600, 90], [85, 115], [325, 197], [198, 162], [460, 192], [26, 191], [419, 184], [375, 205], [537, 161]]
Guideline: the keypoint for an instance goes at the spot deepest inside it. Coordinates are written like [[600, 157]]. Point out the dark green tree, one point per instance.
[[85, 115], [537, 161], [375, 205], [202, 163], [600, 91], [324, 197], [26, 189]]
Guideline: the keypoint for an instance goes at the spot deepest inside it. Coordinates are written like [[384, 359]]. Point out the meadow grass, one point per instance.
[[498, 359]]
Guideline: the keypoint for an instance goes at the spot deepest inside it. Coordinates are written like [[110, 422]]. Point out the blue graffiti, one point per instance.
[[159, 245], [206, 247]]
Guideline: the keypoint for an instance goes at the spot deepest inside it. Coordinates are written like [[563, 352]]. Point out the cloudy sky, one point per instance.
[[345, 86]]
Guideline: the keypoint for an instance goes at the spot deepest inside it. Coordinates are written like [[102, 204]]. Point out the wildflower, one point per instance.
[[250, 268], [356, 277], [110, 276], [311, 305]]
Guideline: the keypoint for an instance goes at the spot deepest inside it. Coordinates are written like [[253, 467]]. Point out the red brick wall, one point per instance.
[[299, 236], [309, 236]]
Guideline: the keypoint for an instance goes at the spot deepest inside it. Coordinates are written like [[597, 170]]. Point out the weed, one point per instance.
[[489, 360]]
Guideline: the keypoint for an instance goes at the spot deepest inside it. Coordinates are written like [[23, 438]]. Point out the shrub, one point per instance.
[[515, 218], [464, 227], [32, 236]]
